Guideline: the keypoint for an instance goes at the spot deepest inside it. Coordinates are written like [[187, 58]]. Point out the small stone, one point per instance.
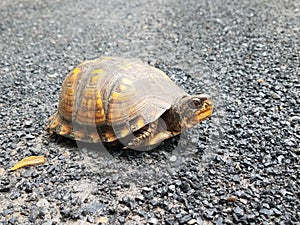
[[219, 221], [42, 203], [12, 220], [275, 96], [90, 219], [29, 136], [209, 214], [172, 187], [200, 221], [227, 210], [244, 201], [238, 211], [184, 219], [2, 171], [251, 217], [265, 211], [192, 221], [153, 220], [121, 219], [103, 220], [28, 123], [236, 178], [4, 189], [173, 158], [147, 189], [277, 212]]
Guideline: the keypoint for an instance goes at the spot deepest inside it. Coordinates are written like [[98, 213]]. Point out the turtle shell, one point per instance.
[[110, 97]]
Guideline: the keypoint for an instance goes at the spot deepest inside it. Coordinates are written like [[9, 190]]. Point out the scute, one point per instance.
[[122, 95]]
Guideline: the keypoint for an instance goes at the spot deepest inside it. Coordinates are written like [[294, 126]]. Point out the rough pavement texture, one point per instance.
[[239, 167]]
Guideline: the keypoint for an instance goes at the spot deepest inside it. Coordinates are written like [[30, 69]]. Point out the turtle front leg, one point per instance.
[[143, 135], [160, 137], [150, 136]]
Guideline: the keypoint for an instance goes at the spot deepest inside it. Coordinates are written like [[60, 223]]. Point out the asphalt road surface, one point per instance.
[[241, 166]]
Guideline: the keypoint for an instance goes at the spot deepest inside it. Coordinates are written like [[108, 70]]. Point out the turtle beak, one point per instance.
[[206, 109]]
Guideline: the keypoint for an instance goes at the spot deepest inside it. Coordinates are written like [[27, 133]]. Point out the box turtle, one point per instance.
[[126, 101]]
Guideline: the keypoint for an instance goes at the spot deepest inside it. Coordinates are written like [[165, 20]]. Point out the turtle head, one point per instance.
[[193, 110]]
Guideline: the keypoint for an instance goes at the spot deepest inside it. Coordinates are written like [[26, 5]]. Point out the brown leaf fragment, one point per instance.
[[29, 161], [260, 81], [232, 198]]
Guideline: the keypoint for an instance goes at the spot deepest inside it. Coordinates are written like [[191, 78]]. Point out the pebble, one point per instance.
[[152, 220], [173, 158], [238, 211], [192, 221]]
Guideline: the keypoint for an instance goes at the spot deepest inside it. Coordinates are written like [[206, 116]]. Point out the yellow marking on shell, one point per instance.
[[91, 106], [89, 93], [69, 95], [76, 71], [140, 122], [123, 87], [126, 66], [126, 81], [94, 137], [99, 71], [100, 116], [99, 102], [97, 76], [91, 110], [153, 113], [79, 134], [65, 129], [115, 95], [125, 132]]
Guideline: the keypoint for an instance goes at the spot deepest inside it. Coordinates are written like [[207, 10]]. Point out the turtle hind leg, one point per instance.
[[57, 125], [143, 135]]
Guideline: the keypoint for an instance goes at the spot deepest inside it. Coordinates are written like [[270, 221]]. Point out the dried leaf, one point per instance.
[[232, 198], [29, 161], [260, 81]]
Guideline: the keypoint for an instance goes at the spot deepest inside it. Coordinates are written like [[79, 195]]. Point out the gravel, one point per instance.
[[239, 167]]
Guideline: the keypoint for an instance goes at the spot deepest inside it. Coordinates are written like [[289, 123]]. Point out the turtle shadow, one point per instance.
[[129, 165]]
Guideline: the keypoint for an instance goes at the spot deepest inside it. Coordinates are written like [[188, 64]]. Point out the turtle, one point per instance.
[[124, 101]]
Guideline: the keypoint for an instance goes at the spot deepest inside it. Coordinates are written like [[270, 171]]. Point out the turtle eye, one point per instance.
[[195, 103]]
